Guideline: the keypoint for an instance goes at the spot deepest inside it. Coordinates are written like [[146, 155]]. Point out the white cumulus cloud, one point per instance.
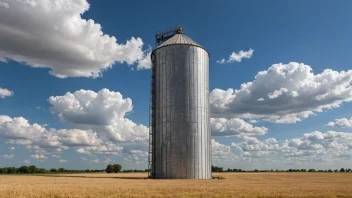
[[235, 126], [103, 112], [221, 152], [27, 161], [54, 35], [100, 127], [343, 123], [106, 149], [61, 161], [253, 144], [237, 57], [315, 146], [18, 130], [77, 137], [55, 156], [5, 93], [146, 61], [7, 156], [38, 156], [285, 93]]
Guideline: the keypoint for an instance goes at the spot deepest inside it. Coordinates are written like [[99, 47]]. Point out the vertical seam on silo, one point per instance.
[[208, 120], [206, 115], [164, 158], [192, 98], [199, 118], [188, 143], [166, 120], [196, 140], [195, 145], [202, 133], [159, 60], [201, 113], [176, 165], [155, 116], [161, 171], [161, 114], [168, 125], [157, 78], [190, 88], [164, 115], [209, 146], [200, 77], [205, 120]]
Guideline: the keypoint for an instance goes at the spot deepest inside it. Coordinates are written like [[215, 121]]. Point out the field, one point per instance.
[[235, 185]]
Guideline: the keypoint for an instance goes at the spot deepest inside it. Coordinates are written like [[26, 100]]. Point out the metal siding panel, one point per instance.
[[159, 54], [202, 141], [207, 138]]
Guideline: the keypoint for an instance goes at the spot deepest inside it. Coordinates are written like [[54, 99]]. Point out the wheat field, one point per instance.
[[235, 185]]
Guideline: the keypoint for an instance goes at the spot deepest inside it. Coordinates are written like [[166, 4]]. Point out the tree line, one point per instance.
[[34, 170], [221, 169], [115, 168], [111, 168]]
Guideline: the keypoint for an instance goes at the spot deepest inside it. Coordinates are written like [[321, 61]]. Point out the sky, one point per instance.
[[74, 81]]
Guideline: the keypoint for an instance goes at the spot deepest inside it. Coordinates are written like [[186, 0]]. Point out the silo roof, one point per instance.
[[180, 39]]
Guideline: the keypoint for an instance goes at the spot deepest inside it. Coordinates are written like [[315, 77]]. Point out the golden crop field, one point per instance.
[[235, 185]]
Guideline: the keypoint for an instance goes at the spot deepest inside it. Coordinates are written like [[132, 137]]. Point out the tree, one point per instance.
[[32, 169], [41, 170], [342, 170], [11, 170], [61, 170], [53, 170], [109, 168], [216, 169], [4, 170], [23, 169], [117, 168]]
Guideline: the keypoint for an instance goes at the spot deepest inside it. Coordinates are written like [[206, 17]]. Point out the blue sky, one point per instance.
[[302, 35]]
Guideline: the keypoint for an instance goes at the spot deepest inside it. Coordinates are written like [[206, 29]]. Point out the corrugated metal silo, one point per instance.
[[181, 142]]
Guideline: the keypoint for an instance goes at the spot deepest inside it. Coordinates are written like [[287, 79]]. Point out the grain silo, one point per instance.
[[180, 142]]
